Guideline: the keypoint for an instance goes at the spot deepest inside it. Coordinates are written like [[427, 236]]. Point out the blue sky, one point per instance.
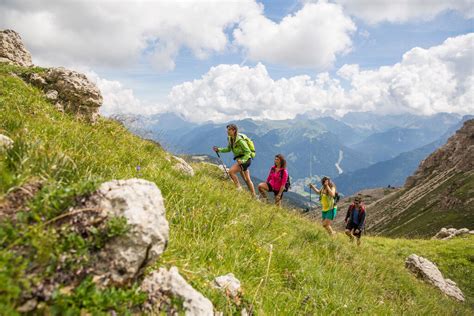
[[152, 56]]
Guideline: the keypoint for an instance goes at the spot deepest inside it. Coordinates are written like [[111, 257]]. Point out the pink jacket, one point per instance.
[[277, 179]]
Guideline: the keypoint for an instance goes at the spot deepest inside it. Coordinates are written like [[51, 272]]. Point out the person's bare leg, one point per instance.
[[331, 230], [233, 174], [278, 202], [248, 180], [263, 189], [327, 226]]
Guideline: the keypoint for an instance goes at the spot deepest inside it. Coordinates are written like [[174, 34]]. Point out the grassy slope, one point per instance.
[[287, 265]]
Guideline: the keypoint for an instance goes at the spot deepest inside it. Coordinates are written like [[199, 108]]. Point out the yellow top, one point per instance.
[[327, 202]]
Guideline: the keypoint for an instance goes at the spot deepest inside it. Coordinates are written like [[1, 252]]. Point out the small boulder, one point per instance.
[[461, 231], [228, 284], [123, 259], [37, 80], [445, 234], [428, 271], [5, 142], [163, 284], [52, 95], [183, 166], [12, 49]]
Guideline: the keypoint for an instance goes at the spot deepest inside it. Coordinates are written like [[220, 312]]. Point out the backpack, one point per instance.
[[288, 182], [337, 197], [250, 144]]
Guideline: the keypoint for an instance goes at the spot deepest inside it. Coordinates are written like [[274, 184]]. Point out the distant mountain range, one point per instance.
[[439, 194], [360, 150], [388, 144], [392, 172]]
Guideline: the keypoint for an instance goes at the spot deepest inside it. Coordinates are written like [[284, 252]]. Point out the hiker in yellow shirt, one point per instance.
[[329, 207]]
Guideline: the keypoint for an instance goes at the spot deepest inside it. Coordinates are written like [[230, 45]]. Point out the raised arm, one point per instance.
[[315, 189]]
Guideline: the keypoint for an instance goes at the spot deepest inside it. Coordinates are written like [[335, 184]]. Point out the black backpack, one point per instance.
[[288, 183], [337, 197]]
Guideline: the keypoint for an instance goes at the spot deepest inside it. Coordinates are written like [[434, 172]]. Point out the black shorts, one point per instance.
[[270, 189], [352, 226], [246, 165]]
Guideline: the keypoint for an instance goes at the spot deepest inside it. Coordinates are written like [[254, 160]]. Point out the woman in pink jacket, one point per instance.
[[276, 180]]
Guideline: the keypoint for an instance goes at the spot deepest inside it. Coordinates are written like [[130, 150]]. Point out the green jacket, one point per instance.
[[241, 150]]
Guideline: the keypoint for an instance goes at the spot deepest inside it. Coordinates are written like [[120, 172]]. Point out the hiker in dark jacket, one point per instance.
[[355, 220], [242, 155], [276, 180]]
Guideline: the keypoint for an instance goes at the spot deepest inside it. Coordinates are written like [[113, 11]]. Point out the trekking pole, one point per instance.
[[222, 163], [310, 168]]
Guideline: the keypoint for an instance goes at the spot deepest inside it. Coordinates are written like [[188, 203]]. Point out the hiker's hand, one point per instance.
[[216, 149], [311, 186], [357, 231], [278, 197], [239, 161]]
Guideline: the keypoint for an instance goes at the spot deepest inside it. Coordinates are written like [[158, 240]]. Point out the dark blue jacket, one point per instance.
[[361, 217]]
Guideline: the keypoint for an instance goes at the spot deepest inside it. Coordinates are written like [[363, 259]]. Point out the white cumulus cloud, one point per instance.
[[399, 11], [311, 37], [107, 32], [229, 92], [111, 33], [425, 81], [119, 99]]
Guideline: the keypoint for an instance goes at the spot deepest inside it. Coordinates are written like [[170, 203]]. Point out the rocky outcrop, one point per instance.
[[183, 166], [440, 189], [455, 155], [71, 91], [428, 271], [163, 284], [228, 284], [140, 202], [448, 233], [5, 142], [12, 49]]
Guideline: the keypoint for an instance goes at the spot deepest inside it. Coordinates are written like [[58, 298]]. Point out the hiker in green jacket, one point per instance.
[[329, 207], [242, 156]]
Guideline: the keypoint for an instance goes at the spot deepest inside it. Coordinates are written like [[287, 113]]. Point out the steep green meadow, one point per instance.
[[287, 264]]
